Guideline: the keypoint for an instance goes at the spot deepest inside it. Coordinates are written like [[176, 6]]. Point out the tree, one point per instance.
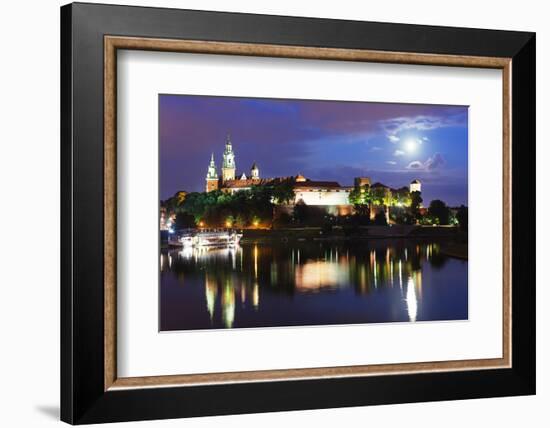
[[309, 215], [378, 195], [260, 203], [361, 198], [184, 221], [180, 197], [462, 217], [197, 204], [356, 196], [282, 220], [402, 215], [174, 203], [240, 221], [388, 199], [300, 211], [416, 201], [229, 220], [380, 219], [283, 193], [403, 197], [440, 211]]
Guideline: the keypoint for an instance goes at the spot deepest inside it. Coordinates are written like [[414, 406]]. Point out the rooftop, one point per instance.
[[311, 183]]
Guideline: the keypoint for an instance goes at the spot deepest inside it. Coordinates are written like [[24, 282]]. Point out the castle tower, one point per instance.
[[415, 186], [254, 172], [361, 182], [212, 176], [228, 166]]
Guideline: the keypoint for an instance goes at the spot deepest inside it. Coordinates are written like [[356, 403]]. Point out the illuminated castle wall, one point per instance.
[[320, 192]]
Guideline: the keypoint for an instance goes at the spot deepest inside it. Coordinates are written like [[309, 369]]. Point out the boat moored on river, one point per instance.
[[216, 238]]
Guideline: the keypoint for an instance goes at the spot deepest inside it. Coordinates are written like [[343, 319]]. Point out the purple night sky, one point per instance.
[[323, 140]]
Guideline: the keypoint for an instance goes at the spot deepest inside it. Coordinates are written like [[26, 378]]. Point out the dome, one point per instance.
[[300, 178], [415, 181]]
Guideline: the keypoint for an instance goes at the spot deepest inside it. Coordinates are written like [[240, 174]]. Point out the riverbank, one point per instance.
[[348, 233]]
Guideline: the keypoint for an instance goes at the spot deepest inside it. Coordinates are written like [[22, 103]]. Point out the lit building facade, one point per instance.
[[415, 186], [320, 192]]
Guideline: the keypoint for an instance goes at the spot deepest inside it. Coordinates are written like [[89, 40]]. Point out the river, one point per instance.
[[311, 283]]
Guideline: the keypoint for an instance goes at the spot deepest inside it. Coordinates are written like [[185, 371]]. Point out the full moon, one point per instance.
[[411, 145]]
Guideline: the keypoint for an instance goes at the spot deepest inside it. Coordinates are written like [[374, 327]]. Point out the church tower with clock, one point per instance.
[[228, 166]]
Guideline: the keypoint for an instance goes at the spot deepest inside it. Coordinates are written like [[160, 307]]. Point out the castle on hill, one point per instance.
[[227, 181], [329, 194]]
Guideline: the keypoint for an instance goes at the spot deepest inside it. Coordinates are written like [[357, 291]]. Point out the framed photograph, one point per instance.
[[266, 213]]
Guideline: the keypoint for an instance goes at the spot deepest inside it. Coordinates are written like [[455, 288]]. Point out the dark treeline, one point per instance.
[[256, 207], [245, 208]]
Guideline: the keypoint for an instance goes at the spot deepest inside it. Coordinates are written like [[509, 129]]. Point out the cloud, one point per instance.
[[398, 153], [391, 162], [396, 125], [433, 163], [425, 139], [393, 138], [375, 149], [415, 165]]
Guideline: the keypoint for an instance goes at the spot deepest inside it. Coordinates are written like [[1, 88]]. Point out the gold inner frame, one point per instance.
[[113, 43]]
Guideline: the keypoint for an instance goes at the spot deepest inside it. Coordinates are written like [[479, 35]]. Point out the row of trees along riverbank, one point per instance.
[[255, 208]]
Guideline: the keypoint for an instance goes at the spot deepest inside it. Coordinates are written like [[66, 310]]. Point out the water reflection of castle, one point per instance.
[[232, 276], [329, 194]]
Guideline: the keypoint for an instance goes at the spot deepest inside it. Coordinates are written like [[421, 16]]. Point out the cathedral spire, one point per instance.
[[228, 165], [211, 175], [255, 172]]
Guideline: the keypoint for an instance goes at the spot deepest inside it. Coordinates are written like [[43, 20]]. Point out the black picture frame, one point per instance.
[[83, 398]]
